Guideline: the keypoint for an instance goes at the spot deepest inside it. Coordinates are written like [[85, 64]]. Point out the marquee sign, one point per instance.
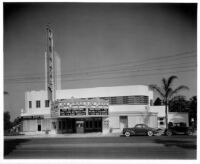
[[72, 112], [50, 65], [100, 111], [81, 107]]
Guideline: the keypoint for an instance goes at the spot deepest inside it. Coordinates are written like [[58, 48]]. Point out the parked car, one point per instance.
[[178, 128], [139, 129]]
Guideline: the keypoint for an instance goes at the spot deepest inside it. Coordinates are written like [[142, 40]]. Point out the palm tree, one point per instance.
[[178, 104], [166, 92]]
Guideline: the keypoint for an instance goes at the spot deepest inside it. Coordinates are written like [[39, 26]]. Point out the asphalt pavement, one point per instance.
[[136, 147]]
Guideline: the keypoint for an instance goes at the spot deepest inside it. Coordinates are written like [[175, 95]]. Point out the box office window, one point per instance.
[[38, 104]]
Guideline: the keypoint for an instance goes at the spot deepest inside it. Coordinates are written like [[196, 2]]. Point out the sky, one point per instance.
[[99, 45]]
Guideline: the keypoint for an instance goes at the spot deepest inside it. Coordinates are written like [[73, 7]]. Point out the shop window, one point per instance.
[[30, 104], [91, 124], [99, 124], [63, 124], [46, 103], [60, 125], [95, 124], [87, 124], [38, 104]]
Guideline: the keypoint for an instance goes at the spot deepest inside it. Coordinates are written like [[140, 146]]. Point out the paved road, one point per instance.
[[138, 147]]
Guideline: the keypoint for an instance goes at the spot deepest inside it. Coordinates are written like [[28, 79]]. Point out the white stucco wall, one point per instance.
[[127, 108], [88, 93], [104, 92], [33, 96], [158, 109]]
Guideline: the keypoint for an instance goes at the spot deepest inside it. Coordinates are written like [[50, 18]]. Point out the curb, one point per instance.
[[62, 136]]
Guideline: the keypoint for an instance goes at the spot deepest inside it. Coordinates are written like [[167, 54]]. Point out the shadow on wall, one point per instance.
[[10, 145], [146, 116]]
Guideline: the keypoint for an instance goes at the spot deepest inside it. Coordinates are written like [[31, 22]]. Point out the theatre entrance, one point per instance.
[[80, 125]]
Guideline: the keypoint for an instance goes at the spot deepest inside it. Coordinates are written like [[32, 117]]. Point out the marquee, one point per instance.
[[80, 107]]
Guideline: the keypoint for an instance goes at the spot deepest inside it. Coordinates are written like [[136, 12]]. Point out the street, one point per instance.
[[137, 147]]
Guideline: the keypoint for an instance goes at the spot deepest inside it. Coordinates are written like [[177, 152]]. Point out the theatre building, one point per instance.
[[100, 109]]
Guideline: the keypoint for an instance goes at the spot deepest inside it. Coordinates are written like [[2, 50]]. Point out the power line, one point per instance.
[[80, 73], [187, 70], [124, 64], [117, 71]]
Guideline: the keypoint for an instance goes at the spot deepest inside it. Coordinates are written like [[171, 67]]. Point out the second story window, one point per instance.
[[38, 104], [30, 104], [46, 103]]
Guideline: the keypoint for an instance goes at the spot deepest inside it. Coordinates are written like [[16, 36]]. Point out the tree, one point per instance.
[[17, 121], [178, 104], [7, 123], [166, 92], [193, 109], [158, 102]]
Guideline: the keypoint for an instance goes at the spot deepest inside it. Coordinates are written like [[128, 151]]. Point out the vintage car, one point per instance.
[[139, 129], [178, 128]]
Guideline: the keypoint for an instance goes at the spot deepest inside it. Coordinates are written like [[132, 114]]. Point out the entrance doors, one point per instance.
[[93, 125], [123, 122], [79, 126]]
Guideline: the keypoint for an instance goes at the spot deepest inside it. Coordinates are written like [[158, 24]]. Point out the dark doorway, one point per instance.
[[39, 127]]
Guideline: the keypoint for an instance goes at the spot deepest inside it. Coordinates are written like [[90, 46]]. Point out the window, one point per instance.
[[161, 118], [161, 123], [38, 104], [87, 124], [60, 125], [139, 126], [30, 104], [46, 103], [63, 125]]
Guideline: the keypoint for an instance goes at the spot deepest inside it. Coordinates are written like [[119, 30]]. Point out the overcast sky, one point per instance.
[[99, 45]]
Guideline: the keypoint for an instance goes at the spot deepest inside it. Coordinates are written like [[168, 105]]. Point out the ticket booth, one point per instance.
[[79, 126]]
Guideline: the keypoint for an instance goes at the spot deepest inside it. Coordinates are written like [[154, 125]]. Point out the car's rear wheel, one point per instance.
[[150, 133], [169, 133], [189, 132], [127, 134]]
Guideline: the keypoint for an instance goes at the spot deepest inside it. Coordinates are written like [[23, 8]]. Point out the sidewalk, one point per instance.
[[71, 135]]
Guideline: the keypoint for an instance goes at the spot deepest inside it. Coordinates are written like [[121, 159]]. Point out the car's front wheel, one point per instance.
[[127, 134], [150, 133], [169, 133], [189, 132]]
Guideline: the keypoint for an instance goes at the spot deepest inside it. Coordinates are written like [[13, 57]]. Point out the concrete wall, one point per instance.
[[88, 93], [128, 108], [104, 92], [158, 109], [34, 96]]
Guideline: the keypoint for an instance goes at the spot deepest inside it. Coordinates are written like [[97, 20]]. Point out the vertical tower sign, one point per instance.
[[50, 66]]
